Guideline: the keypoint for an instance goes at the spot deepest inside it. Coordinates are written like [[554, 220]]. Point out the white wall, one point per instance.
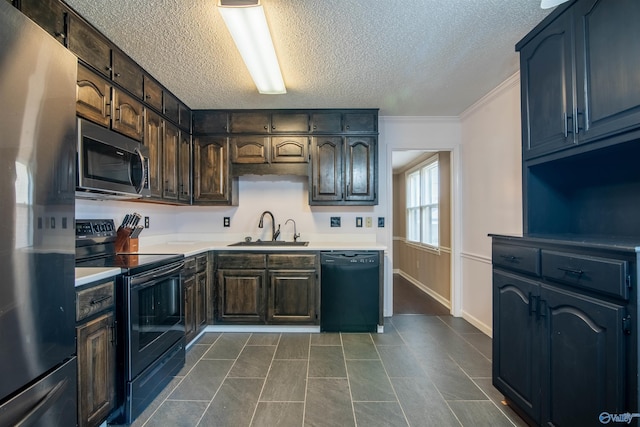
[[491, 196]]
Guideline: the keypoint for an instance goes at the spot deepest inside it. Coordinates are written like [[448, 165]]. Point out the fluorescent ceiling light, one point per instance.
[[248, 27], [548, 4]]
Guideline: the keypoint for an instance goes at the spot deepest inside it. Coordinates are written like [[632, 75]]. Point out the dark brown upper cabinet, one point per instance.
[[289, 149], [361, 122], [152, 93], [127, 114], [171, 107], [51, 15], [170, 150], [211, 182], [360, 169], [153, 137], [184, 168], [210, 122], [127, 74], [290, 122], [250, 149], [93, 97], [326, 122], [185, 117], [249, 122], [326, 177], [90, 46]]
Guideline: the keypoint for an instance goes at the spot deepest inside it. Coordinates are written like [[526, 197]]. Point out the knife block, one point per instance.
[[124, 242]]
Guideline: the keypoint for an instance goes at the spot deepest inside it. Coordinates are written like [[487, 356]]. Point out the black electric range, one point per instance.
[[95, 247]]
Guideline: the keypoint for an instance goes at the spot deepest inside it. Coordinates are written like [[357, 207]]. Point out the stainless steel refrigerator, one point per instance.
[[37, 185]]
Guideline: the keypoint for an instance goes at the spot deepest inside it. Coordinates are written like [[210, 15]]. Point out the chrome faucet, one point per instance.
[[295, 234], [274, 233]]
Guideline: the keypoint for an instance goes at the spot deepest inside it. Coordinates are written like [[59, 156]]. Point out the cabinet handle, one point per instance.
[[570, 270], [107, 110], [266, 127], [576, 122], [99, 300], [59, 35], [273, 127], [347, 127], [147, 97], [107, 68], [114, 333], [541, 309], [510, 258], [116, 74], [567, 130]]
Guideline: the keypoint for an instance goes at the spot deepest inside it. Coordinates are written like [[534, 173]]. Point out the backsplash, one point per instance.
[[286, 197]]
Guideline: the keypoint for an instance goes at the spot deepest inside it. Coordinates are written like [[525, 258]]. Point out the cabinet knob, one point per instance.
[[266, 127], [116, 75], [147, 97], [59, 35]]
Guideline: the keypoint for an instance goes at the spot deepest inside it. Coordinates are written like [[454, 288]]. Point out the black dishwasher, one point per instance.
[[349, 291]]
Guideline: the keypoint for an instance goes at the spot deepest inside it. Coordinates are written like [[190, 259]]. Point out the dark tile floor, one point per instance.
[[423, 371]]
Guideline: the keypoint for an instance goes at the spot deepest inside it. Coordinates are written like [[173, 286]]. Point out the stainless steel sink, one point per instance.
[[269, 243]]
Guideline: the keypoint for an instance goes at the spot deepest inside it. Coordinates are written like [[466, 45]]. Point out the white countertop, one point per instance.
[[189, 248]]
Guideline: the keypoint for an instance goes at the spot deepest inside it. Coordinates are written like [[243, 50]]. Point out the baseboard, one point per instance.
[[425, 289], [484, 328]]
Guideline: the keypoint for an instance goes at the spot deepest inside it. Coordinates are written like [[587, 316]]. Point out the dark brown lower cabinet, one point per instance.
[[563, 351], [189, 290], [195, 285], [270, 288], [96, 370]]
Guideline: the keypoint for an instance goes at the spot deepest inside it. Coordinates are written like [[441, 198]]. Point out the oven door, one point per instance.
[[156, 318]]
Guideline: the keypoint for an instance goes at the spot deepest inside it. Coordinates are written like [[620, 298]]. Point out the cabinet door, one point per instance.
[[360, 169], [608, 82], [211, 170], [93, 97], [185, 117], [547, 90], [290, 122], [89, 45], [184, 184], [516, 357], [153, 137], [361, 122], [326, 169], [189, 292], [240, 296], [96, 370], [127, 74], [250, 149], [289, 149], [171, 107], [170, 149], [208, 122], [127, 115], [326, 122], [51, 15], [249, 122], [584, 349], [201, 300], [152, 93], [292, 296]]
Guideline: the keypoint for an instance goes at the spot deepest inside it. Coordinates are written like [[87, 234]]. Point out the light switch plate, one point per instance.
[[380, 221], [335, 221]]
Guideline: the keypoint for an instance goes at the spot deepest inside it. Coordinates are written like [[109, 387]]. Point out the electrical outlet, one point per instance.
[[380, 222], [335, 221], [368, 222], [227, 221], [146, 222], [359, 221]]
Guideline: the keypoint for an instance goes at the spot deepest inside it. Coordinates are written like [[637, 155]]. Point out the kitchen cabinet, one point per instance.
[[212, 184], [263, 149], [292, 288], [195, 288], [343, 170], [152, 93], [361, 122], [189, 295], [171, 107], [93, 97], [184, 116], [250, 149], [326, 122], [579, 78], [207, 122], [273, 288], [99, 102], [240, 287], [96, 352], [290, 122], [51, 15], [170, 149], [562, 351], [184, 168], [90, 46], [127, 74], [126, 115], [249, 122], [153, 137]]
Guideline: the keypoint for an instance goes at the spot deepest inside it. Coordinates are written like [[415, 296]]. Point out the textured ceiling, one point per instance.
[[406, 57]]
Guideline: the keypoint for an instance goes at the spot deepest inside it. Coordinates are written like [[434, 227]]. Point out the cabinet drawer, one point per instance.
[[518, 258], [292, 261], [603, 275], [201, 263], [227, 261], [94, 300]]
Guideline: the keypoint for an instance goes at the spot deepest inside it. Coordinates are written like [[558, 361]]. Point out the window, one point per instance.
[[422, 203]]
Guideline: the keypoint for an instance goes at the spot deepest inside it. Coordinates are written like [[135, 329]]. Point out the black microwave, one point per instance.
[[110, 165]]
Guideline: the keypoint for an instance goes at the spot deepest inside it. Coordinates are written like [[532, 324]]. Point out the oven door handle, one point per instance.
[[155, 275]]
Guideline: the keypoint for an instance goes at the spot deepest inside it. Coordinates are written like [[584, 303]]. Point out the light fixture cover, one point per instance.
[[548, 4], [247, 24]]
